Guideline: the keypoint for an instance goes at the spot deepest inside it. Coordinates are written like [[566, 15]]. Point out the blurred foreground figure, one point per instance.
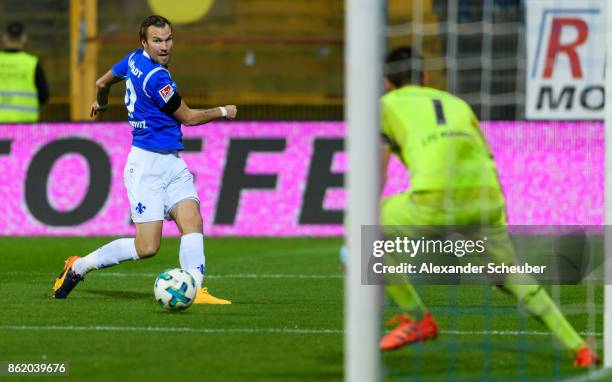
[[453, 182]]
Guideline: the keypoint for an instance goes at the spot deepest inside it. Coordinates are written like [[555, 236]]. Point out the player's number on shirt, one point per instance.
[[130, 95], [440, 118]]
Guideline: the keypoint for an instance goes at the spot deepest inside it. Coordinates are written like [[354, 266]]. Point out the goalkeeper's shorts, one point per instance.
[[430, 214], [454, 207]]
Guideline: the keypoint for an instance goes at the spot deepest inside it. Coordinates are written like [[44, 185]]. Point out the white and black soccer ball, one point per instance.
[[175, 289]]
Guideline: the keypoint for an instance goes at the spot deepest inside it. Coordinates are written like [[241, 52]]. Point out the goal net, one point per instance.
[[551, 170]]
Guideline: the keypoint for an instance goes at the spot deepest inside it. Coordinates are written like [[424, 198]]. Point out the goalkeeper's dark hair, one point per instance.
[[400, 65], [154, 20]]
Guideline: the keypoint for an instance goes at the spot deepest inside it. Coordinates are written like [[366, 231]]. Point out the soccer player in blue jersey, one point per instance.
[[158, 182]]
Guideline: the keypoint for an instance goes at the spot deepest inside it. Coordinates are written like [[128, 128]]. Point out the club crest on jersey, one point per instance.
[[166, 92]]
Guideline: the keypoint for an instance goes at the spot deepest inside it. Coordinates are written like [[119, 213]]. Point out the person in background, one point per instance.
[[23, 86]]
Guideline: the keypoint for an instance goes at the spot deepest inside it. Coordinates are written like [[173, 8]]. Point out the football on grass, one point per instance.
[[175, 289]]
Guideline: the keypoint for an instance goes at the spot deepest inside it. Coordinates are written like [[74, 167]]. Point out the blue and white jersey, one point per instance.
[[148, 87]]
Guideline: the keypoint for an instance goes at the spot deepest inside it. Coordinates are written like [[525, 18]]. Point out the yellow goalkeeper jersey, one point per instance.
[[438, 137]]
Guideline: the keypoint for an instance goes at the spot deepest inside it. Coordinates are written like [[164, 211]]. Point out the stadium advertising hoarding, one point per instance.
[[272, 178], [566, 59]]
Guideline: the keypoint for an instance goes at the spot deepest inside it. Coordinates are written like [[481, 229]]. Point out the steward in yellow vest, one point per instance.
[[23, 86]]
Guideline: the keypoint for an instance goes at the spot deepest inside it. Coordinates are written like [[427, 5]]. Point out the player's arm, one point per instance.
[[163, 91], [476, 125], [194, 117], [103, 85], [385, 153], [386, 143]]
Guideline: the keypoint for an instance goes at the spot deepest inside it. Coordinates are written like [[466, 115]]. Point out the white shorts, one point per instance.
[[155, 182]]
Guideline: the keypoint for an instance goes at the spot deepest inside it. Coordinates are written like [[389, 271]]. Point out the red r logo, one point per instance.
[[555, 47]]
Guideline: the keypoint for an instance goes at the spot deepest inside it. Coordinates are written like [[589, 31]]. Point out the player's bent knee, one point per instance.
[[147, 250]]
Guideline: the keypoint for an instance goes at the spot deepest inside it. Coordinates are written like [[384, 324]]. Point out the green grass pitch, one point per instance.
[[285, 323]]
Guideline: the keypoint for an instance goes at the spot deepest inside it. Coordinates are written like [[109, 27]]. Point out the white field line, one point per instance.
[[228, 276], [333, 248], [512, 333], [231, 276], [170, 330], [254, 330]]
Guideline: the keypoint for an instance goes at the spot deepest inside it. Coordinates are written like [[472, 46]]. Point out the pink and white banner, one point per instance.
[[272, 178]]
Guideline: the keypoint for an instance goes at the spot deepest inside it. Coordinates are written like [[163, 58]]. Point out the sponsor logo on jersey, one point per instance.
[[166, 92]]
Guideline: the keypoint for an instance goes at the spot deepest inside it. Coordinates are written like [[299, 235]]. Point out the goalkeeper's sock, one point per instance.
[[191, 256], [108, 255], [407, 299], [537, 302]]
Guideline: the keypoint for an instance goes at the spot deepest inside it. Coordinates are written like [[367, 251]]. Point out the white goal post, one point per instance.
[[365, 40]]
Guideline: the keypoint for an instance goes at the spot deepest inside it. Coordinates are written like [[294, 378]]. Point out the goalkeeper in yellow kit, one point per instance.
[[453, 180]]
